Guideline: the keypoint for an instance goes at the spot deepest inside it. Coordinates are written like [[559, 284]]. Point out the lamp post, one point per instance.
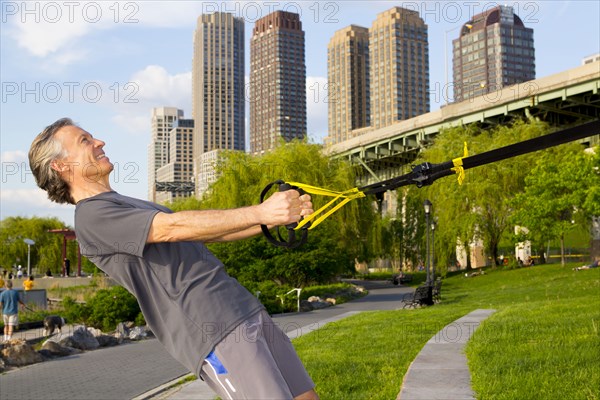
[[297, 290], [427, 207], [29, 243], [469, 26], [433, 225]]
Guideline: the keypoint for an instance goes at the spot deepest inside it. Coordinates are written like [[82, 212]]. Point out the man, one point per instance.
[[204, 318], [67, 267], [9, 301]]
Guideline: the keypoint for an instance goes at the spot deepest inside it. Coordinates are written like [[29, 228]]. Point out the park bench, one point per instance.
[[421, 296]]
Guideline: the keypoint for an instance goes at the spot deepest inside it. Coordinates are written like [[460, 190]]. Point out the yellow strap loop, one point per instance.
[[458, 165], [347, 196]]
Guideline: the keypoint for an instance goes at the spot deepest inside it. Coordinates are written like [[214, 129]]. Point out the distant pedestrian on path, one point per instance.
[[67, 265], [9, 301], [205, 319], [28, 283]]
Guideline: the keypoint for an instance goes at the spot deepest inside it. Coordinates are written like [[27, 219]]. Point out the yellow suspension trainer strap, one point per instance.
[[311, 221]]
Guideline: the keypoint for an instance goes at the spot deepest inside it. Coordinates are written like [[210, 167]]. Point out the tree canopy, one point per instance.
[[561, 191], [47, 251]]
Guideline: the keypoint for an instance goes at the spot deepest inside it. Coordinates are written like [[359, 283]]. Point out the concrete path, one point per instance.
[[440, 371], [120, 372]]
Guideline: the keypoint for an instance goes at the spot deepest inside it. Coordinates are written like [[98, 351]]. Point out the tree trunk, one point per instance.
[[494, 249], [468, 250], [542, 251], [562, 249]]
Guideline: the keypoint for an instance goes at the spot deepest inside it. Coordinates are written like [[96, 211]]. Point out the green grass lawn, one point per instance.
[[542, 343]]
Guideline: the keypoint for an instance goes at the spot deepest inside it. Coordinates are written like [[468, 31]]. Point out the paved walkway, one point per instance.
[[440, 371], [144, 370]]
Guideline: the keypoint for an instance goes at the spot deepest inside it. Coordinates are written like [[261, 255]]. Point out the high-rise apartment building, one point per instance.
[[591, 59], [398, 67], [180, 167], [494, 50], [207, 174], [162, 122], [218, 105], [277, 81], [348, 83]]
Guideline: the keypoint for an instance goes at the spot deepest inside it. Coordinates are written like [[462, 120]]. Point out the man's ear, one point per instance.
[[59, 166]]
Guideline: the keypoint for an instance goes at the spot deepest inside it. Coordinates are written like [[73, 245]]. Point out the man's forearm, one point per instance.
[[245, 234], [204, 225]]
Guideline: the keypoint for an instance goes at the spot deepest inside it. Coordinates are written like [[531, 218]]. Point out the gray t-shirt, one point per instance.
[[187, 298]]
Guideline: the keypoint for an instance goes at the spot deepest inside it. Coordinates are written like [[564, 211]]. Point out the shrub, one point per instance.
[[111, 306], [268, 295], [74, 312]]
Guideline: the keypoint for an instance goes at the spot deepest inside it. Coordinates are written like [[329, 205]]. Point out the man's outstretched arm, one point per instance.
[[281, 208]]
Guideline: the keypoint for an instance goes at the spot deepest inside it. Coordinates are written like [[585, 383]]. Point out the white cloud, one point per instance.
[[26, 198], [152, 87], [33, 202], [158, 86], [15, 156], [138, 124], [45, 28]]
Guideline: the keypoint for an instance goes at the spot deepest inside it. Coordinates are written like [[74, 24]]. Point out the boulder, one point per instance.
[[305, 306], [103, 339], [17, 352], [80, 338], [139, 333], [317, 303], [122, 332], [53, 349], [95, 332], [108, 341]]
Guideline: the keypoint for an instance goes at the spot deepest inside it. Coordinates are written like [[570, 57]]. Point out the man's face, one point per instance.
[[85, 156]]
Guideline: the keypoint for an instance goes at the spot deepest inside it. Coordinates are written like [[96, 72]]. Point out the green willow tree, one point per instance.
[[47, 251], [561, 192], [332, 247]]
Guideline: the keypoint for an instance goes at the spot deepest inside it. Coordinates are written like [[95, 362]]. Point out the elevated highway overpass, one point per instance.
[[565, 99]]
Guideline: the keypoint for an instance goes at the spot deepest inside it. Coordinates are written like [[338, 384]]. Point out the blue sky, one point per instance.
[[107, 63]]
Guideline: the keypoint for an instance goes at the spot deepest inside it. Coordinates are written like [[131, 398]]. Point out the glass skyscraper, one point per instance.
[[494, 50], [277, 81]]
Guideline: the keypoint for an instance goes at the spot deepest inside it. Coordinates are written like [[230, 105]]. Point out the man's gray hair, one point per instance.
[[44, 150]]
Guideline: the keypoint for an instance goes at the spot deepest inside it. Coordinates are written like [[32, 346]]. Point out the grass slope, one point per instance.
[[542, 343]]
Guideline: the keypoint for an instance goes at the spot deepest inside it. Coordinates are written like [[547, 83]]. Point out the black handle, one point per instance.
[[291, 242]]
